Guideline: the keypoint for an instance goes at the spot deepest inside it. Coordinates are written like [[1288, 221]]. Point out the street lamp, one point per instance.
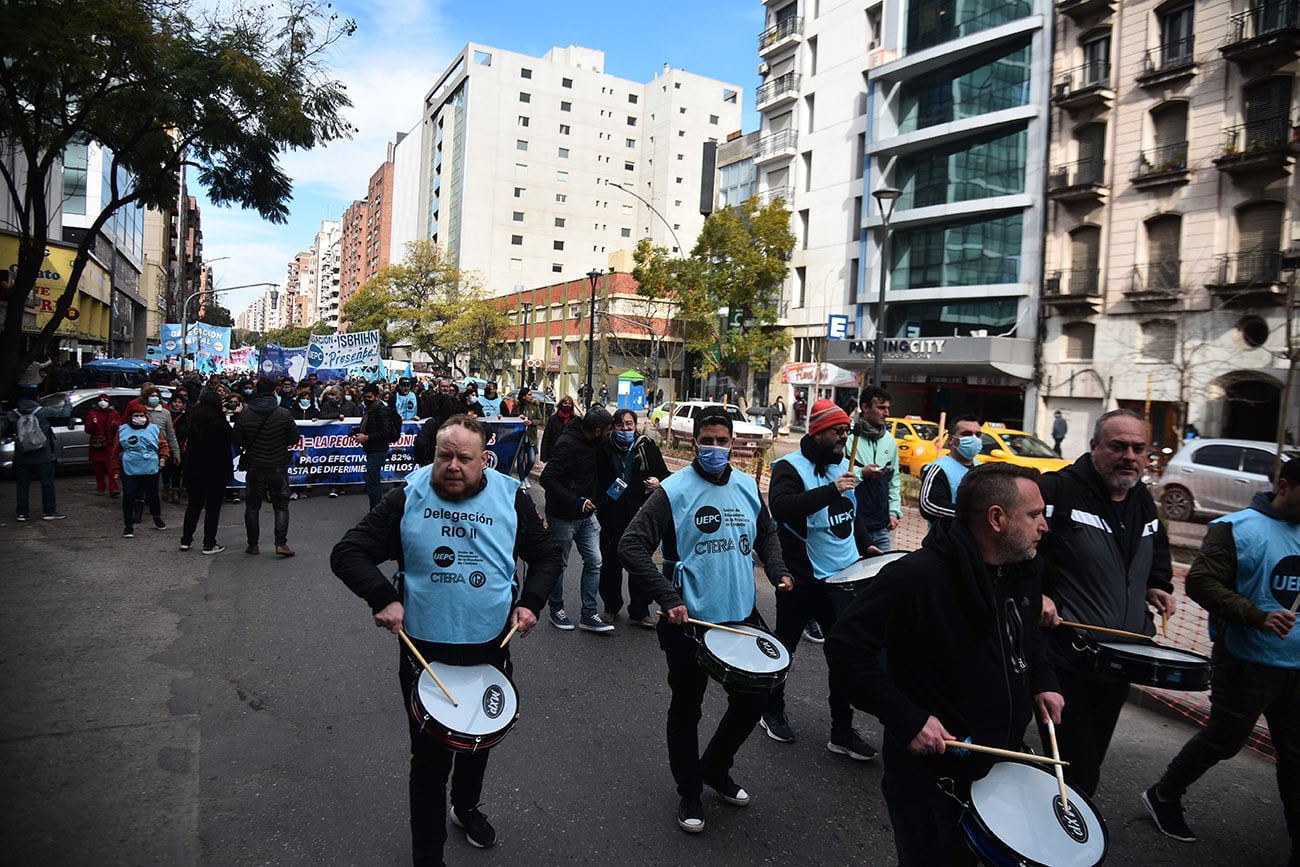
[[185, 309], [885, 199], [526, 308], [653, 210], [593, 275]]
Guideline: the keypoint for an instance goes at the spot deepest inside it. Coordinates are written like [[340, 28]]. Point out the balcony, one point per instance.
[[1081, 9], [771, 194], [1073, 288], [1258, 146], [1245, 279], [779, 91], [782, 34], [1162, 166], [777, 146], [1157, 282], [1081, 181], [1169, 63], [1268, 31], [1083, 87]]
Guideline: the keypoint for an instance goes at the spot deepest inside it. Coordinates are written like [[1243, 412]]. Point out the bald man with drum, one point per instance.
[[455, 530]]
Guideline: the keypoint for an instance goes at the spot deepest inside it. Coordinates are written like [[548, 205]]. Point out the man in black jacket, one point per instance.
[[570, 484], [377, 431], [958, 622], [264, 434], [1107, 559], [451, 615]]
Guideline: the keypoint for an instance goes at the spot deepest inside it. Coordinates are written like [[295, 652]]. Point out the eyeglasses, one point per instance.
[[841, 431]]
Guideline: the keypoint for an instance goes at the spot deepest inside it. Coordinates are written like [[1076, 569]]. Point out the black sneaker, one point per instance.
[[22, 519], [777, 727], [478, 830], [851, 745], [690, 815], [1168, 816], [159, 523], [185, 546], [128, 532], [215, 549], [813, 632], [728, 790]]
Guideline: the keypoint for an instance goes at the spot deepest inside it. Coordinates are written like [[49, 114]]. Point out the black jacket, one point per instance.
[[570, 474], [264, 433], [554, 426], [207, 449], [792, 504], [645, 461], [380, 425], [940, 633]]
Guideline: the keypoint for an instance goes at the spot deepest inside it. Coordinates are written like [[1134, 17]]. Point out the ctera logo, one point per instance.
[[494, 701], [443, 557], [708, 520], [477, 579]]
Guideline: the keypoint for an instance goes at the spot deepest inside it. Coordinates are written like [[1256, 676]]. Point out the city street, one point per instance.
[[161, 707]]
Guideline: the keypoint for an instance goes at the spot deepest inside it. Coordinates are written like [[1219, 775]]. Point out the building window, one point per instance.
[[561, 198], [519, 192], [517, 240], [559, 222], [1158, 339], [959, 170], [482, 58], [556, 268], [525, 97], [1078, 339], [523, 121], [631, 121], [681, 110], [521, 145], [632, 98], [1176, 37], [562, 176], [525, 73], [681, 156], [625, 232], [517, 216], [969, 253], [978, 85], [566, 82], [630, 166], [564, 129], [729, 96], [516, 264], [563, 153], [627, 210], [1096, 60], [933, 22], [713, 119], [521, 169], [557, 245], [631, 142], [679, 180], [566, 106]]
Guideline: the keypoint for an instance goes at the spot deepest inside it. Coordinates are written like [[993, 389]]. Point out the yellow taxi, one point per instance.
[[1001, 443], [917, 439]]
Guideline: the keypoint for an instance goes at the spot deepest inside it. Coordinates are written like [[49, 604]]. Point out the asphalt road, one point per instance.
[[159, 707]]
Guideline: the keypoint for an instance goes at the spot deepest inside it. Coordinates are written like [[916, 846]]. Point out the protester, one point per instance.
[[564, 414], [34, 452], [532, 412], [102, 423], [378, 430], [138, 457], [208, 470], [264, 435]]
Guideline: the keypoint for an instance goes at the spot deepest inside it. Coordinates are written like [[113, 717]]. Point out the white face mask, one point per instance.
[[103, 404], [139, 420]]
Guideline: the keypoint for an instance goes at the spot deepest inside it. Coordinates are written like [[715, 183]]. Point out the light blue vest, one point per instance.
[[139, 449], [405, 404], [491, 408], [954, 470], [716, 527], [1268, 574], [458, 559], [829, 541]]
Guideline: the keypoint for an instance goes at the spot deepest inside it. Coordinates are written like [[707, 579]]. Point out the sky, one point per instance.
[[400, 48]]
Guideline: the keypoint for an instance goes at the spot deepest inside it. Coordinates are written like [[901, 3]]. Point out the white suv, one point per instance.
[[747, 436]]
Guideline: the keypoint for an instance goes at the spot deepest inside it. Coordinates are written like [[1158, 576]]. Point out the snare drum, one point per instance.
[[1152, 665], [749, 663], [850, 581], [488, 706], [1015, 817]]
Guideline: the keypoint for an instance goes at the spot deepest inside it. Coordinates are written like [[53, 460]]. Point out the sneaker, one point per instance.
[[1168, 816], [560, 620], [592, 623], [333, 494], [128, 532], [22, 519], [690, 815], [851, 745], [777, 727], [185, 546], [608, 617], [728, 790], [293, 496], [284, 550], [252, 549], [478, 830], [215, 549], [159, 523], [645, 620], [813, 632], [53, 516]]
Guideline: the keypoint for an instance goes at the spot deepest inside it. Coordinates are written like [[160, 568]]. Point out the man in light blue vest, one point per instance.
[[710, 521], [490, 401], [455, 529], [404, 403], [941, 477], [1247, 577]]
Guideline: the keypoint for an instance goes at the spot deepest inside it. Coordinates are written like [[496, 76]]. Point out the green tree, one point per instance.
[[251, 338], [287, 335], [215, 314], [162, 85]]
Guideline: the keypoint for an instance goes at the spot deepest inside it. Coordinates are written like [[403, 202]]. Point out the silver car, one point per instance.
[[71, 444], [1213, 477]]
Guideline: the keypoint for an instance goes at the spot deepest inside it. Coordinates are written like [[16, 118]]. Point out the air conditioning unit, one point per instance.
[[1062, 90], [880, 56], [763, 68]]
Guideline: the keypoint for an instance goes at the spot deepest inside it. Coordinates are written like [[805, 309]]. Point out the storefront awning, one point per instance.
[[809, 373]]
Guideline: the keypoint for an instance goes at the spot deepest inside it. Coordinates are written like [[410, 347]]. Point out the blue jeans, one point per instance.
[[25, 474], [374, 469], [882, 539], [586, 533], [525, 459]]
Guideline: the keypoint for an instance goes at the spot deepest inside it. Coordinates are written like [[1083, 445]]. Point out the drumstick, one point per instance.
[[510, 634], [1125, 633], [1164, 624], [713, 625], [1295, 604], [1060, 774], [436, 680], [995, 751]]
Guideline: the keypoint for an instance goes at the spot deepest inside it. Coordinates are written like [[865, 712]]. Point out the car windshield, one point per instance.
[[1026, 446], [925, 431]]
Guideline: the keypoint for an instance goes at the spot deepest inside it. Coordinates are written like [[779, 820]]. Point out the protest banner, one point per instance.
[[276, 361], [343, 351]]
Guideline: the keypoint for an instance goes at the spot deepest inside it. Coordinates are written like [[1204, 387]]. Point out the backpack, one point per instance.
[[30, 436]]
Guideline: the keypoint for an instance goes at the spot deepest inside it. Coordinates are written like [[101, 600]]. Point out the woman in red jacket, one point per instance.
[[102, 423]]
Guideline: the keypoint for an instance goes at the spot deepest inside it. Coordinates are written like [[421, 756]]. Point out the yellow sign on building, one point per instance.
[[91, 300]]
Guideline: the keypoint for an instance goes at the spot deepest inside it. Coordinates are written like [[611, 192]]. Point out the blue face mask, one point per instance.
[[248, 391], [624, 437], [153, 401], [713, 458], [304, 403], [969, 447]]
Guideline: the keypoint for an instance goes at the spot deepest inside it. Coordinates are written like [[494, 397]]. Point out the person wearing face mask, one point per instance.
[[490, 401], [151, 402], [564, 416], [941, 478], [102, 423], [534, 415], [378, 430], [177, 407], [629, 468], [304, 409], [138, 457], [264, 435], [708, 574], [875, 466], [287, 393], [404, 403]]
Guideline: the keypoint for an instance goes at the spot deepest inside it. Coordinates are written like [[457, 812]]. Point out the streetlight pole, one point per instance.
[[653, 210], [526, 307], [185, 310], [593, 275], [885, 199]]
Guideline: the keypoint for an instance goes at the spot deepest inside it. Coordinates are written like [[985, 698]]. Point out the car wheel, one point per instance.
[[1178, 503]]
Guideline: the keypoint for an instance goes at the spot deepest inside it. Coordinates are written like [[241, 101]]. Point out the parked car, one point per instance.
[[71, 444], [660, 412], [918, 442], [747, 436], [1213, 477], [1014, 447]]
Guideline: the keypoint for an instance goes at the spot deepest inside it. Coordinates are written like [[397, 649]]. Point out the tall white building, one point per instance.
[[324, 272], [534, 169]]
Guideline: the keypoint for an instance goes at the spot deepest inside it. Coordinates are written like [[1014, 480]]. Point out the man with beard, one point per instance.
[[460, 621], [958, 623], [1106, 559], [811, 498]]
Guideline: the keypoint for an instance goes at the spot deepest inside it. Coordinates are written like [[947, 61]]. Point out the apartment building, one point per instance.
[[534, 170], [322, 263], [1173, 233], [366, 232]]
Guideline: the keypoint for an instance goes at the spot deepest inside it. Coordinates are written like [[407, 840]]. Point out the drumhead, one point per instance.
[[487, 698], [1017, 803], [1164, 654], [864, 569], [760, 653]]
